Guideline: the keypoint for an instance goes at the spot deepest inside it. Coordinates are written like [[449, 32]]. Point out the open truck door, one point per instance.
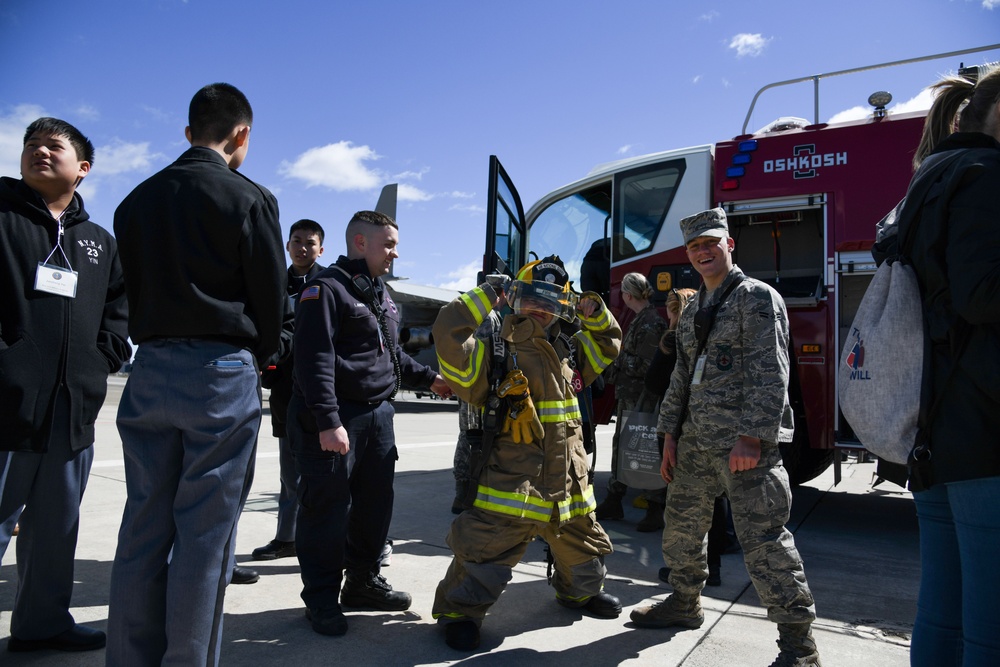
[[506, 235]]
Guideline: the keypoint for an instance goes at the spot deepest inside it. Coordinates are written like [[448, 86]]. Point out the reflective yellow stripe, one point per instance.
[[550, 412], [577, 505], [597, 360], [478, 304], [599, 321], [518, 505], [450, 614], [467, 376]]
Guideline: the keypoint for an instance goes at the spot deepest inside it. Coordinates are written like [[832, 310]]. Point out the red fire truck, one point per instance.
[[802, 200]]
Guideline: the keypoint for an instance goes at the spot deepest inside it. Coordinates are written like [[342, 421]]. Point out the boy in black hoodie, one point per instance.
[[63, 319]]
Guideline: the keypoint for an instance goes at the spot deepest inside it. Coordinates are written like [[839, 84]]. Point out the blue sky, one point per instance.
[[349, 96]]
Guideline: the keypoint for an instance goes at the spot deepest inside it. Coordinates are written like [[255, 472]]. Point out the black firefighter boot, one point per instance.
[[653, 521], [611, 507], [797, 647]]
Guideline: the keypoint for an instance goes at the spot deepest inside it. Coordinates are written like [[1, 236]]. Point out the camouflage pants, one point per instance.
[[462, 465], [761, 501]]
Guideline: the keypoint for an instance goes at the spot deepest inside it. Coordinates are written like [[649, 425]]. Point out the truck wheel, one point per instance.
[[802, 462]]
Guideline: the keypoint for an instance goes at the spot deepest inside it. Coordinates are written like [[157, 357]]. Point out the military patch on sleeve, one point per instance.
[[311, 292]]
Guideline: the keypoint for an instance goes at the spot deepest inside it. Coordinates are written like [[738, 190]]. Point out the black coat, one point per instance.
[[956, 256], [202, 255], [47, 340], [339, 352], [277, 376]]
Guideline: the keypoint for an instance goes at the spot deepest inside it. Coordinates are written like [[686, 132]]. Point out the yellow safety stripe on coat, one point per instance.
[[478, 304], [577, 505], [518, 505], [550, 412], [598, 321], [467, 376], [597, 360]]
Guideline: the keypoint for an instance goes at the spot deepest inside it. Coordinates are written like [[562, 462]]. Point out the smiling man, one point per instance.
[[348, 367], [722, 418]]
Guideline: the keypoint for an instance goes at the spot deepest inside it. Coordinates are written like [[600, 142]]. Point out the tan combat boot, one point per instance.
[[797, 647], [675, 610]]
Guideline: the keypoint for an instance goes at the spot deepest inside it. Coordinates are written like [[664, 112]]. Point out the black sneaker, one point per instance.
[[244, 575], [664, 575], [274, 549], [372, 591], [462, 635], [330, 621], [714, 575]]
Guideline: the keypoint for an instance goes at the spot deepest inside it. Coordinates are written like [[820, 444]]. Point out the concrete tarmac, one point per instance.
[[859, 545]]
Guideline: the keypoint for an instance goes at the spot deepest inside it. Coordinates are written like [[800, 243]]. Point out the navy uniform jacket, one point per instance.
[[339, 352], [45, 339], [202, 254]]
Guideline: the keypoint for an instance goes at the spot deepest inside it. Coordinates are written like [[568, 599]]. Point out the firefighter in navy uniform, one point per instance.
[[533, 479], [347, 368]]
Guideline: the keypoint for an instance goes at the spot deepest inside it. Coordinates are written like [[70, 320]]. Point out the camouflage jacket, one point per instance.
[[744, 386], [638, 347], [470, 416]]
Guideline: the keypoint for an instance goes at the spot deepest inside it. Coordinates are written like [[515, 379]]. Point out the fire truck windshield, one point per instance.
[[571, 227]]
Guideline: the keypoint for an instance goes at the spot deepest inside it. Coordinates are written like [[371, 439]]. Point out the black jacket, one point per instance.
[[278, 375], [202, 255], [956, 256], [339, 353], [48, 340]]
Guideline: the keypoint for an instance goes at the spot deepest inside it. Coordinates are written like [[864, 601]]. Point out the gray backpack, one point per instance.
[[881, 373]]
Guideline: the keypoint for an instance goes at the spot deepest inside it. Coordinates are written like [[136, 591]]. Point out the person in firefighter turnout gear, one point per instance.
[[534, 478]]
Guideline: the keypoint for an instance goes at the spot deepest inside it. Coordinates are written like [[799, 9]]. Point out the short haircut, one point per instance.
[[309, 226], [55, 127], [368, 219], [215, 110]]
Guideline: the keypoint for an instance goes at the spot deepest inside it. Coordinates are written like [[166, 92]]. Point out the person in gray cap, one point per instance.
[[722, 418]]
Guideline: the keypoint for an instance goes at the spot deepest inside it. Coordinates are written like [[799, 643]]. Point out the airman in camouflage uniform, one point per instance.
[[737, 412]]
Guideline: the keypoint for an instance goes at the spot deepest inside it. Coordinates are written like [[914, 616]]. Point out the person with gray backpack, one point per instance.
[[954, 470]]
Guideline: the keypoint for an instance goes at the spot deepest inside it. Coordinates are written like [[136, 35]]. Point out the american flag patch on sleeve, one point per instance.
[[311, 292]]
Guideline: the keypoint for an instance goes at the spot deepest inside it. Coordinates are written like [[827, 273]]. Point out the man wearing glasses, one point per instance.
[[722, 418]]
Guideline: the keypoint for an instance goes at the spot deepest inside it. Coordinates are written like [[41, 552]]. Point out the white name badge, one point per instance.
[[55, 280], [699, 370]]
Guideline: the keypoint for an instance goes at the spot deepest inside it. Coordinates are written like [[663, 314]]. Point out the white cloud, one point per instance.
[[468, 208], [920, 102], [12, 126], [624, 149], [463, 278], [696, 79], [991, 4], [709, 16], [407, 192], [413, 175], [340, 166], [120, 157], [87, 112], [456, 194], [747, 44]]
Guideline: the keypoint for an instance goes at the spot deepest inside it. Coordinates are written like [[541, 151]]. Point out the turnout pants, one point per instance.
[[487, 546]]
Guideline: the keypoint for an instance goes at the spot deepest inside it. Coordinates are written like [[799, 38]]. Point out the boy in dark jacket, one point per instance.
[[63, 319]]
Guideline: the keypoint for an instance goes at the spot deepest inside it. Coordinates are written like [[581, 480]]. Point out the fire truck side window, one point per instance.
[[643, 200], [571, 226]]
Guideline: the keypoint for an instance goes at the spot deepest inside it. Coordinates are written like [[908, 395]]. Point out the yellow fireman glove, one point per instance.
[[522, 420], [523, 423]]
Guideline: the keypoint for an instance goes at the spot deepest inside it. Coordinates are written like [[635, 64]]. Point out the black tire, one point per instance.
[[802, 462]]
